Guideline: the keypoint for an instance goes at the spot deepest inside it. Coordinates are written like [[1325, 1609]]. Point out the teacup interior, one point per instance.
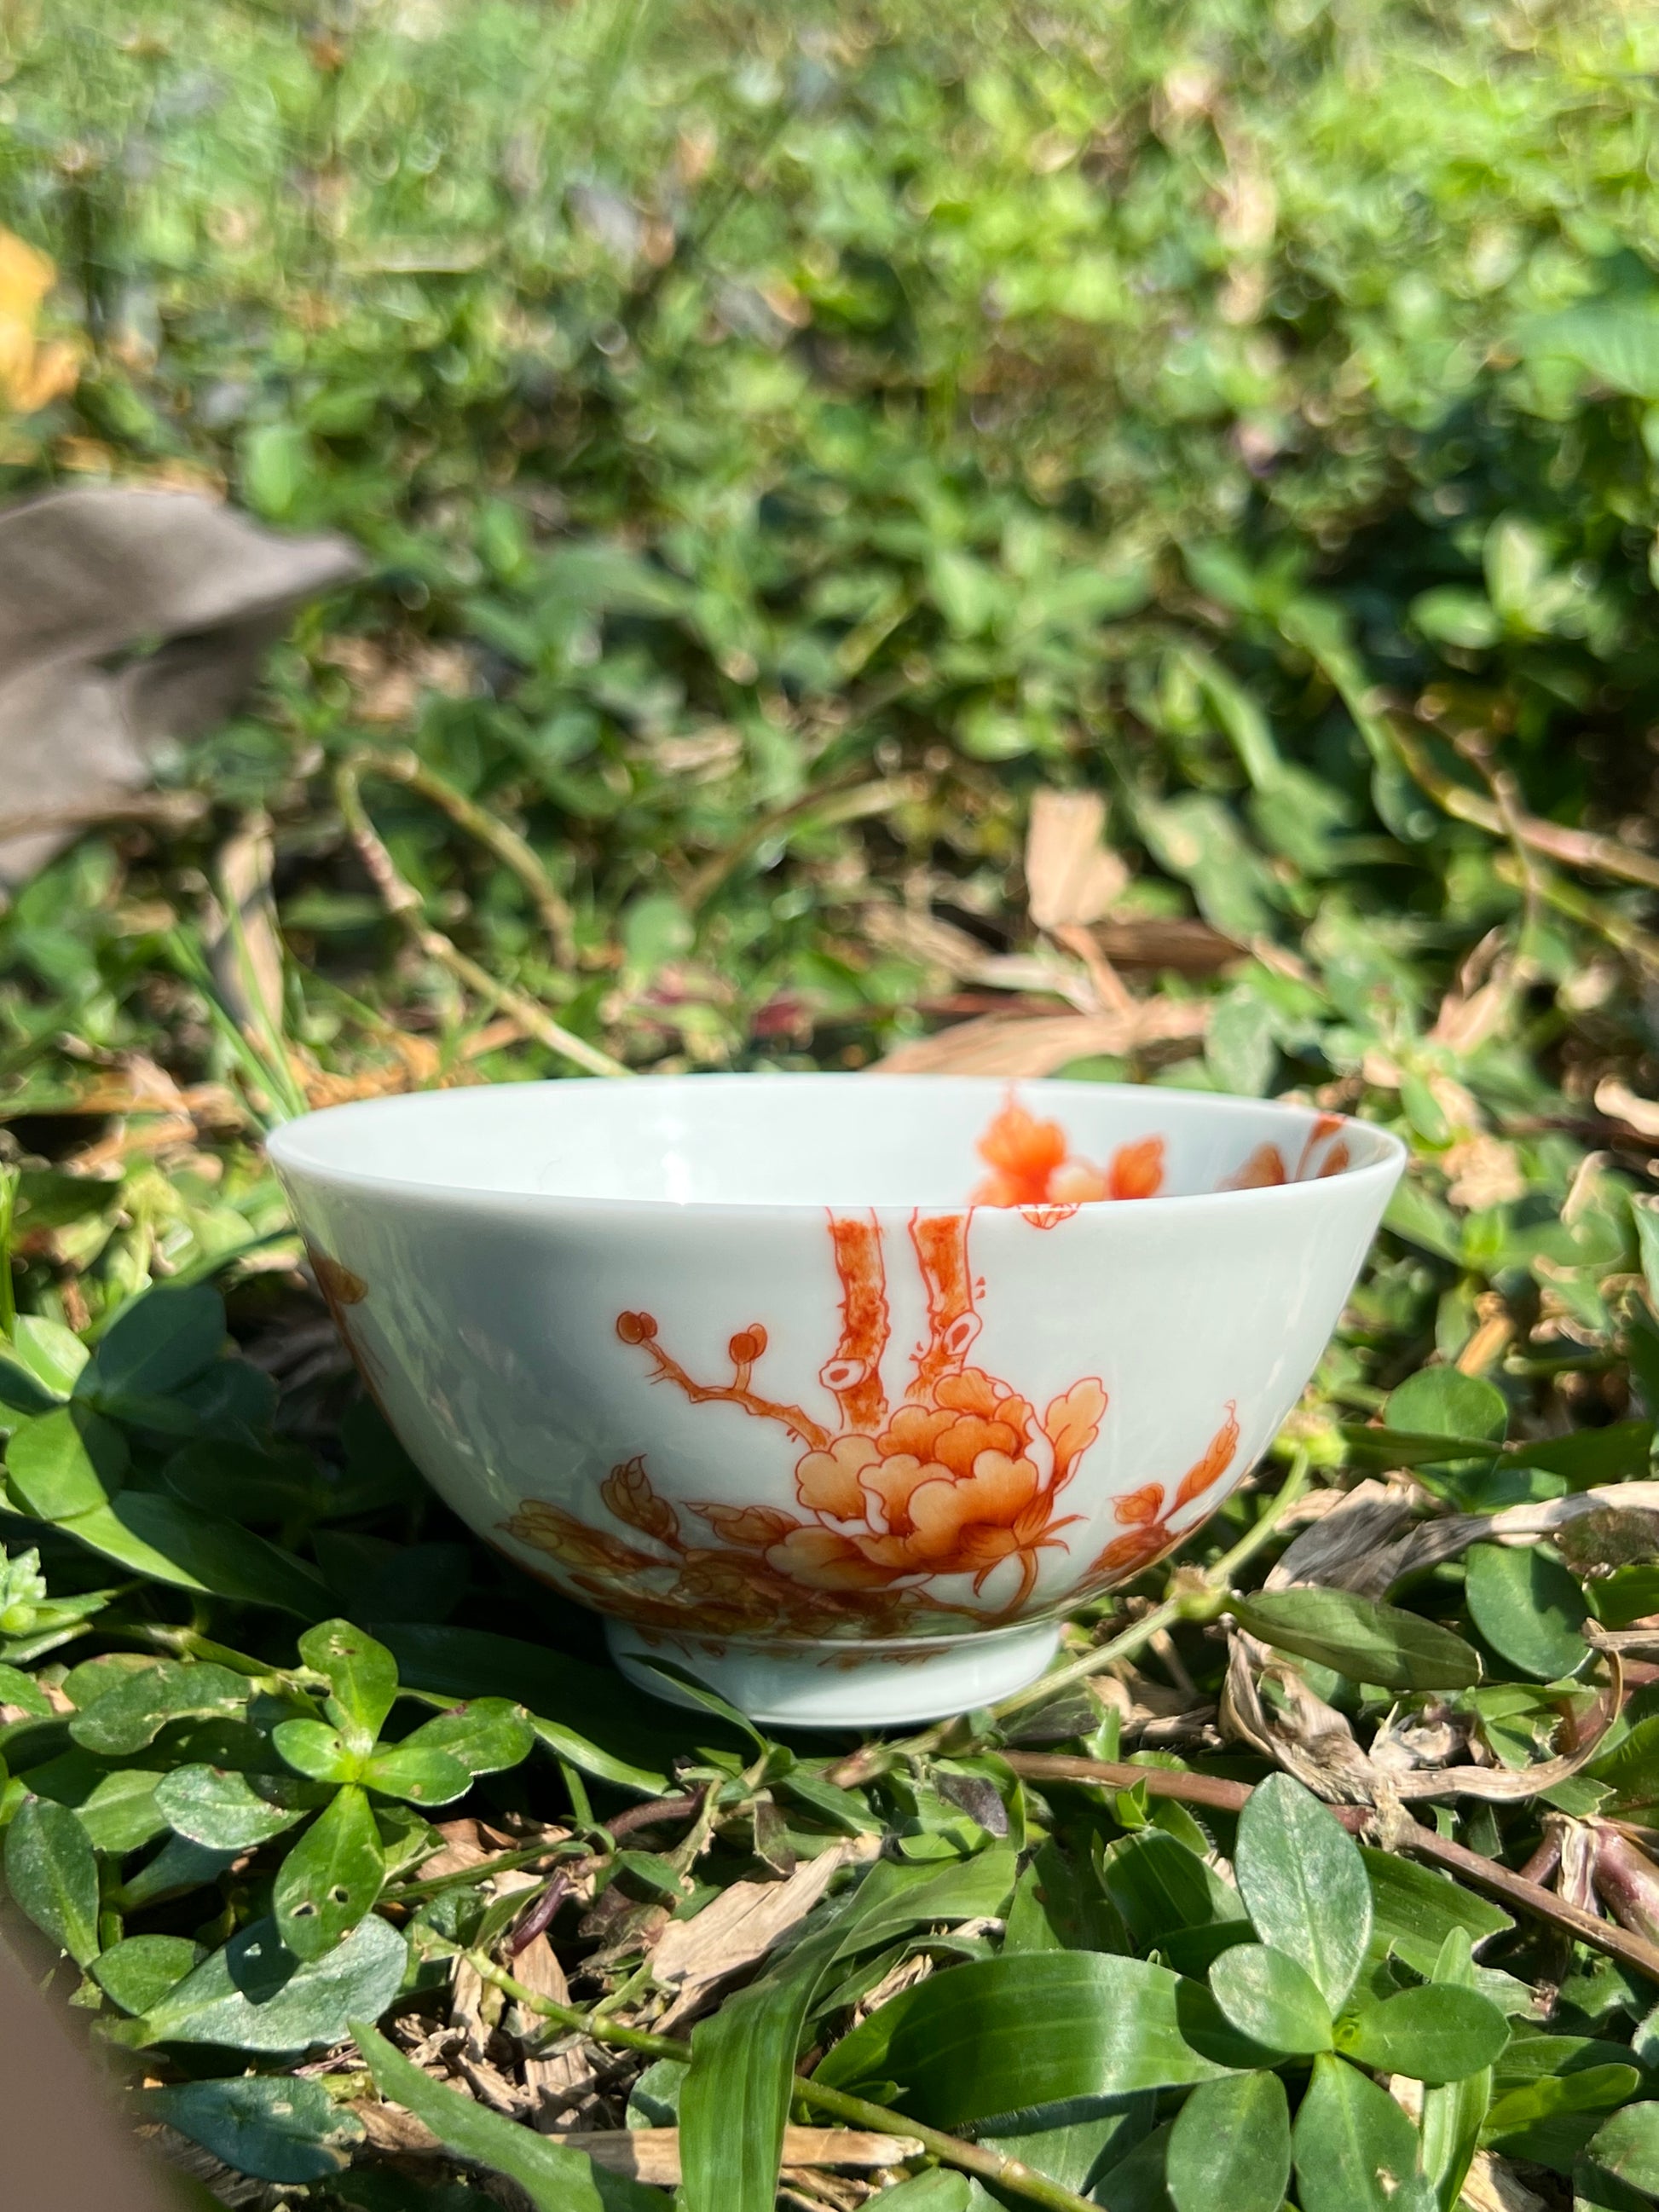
[[828, 1140]]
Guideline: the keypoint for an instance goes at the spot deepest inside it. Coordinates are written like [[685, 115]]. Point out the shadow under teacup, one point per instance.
[[837, 1392]]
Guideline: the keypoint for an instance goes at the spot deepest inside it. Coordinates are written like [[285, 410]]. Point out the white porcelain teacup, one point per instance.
[[837, 1391]]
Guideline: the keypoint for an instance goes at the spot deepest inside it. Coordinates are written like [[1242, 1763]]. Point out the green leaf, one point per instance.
[[133, 1713], [17, 1688], [1303, 1881], [171, 1542], [330, 1877], [317, 1751], [1616, 340], [229, 1811], [1433, 2034], [1630, 1769], [362, 1675], [1267, 1996], [485, 1736], [138, 1972], [1439, 1401], [279, 2129], [425, 1777], [254, 1994], [50, 1355], [1528, 1607], [1627, 2146], [1414, 1909], [630, 1740], [1355, 2150], [51, 1872], [553, 2177], [1644, 1212], [1159, 1885], [1421, 1220], [1365, 1641], [1034, 2028], [66, 1462], [1229, 2150], [116, 1809], [21, 1390], [158, 1344], [1591, 2089], [1449, 2129]]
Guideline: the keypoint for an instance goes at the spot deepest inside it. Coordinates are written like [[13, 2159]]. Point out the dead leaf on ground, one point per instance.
[[89, 577], [1176, 941], [1071, 876], [1036, 1044], [653, 2155], [696, 1957], [1620, 1104]]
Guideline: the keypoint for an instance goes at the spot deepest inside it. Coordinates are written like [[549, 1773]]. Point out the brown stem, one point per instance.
[[827, 804], [403, 902], [1545, 1860], [541, 1914], [1578, 848], [403, 767], [653, 1811], [1220, 1795]]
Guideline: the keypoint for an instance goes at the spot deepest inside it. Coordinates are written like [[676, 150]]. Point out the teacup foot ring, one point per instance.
[[840, 1684]]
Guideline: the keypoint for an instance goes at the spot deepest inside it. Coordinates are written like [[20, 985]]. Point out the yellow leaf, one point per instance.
[[31, 374]]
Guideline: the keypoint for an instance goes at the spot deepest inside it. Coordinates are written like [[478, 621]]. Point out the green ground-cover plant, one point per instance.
[[783, 444]]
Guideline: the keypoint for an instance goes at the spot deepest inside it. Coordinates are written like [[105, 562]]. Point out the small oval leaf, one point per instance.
[[1229, 2150], [1433, 2034], [1303, 1881], [1267, 1996]]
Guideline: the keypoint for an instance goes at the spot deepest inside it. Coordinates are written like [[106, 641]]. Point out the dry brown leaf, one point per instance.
[[1186, 946], [1620, 1104], [696, 1957], [653, 2155], [88, 576], [472, 2005], [1308, 1738], [1485, 1172], [1036, 1044], [537, 1967], [1434, 1542], [1493, 2186], [919, 936], [463, 1847], [1070, 875], [1340, 1547]]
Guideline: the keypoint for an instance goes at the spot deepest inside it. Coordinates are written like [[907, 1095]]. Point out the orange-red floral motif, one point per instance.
[[1266, 1167], [1033, 1168], [341, 1291], [1146, 1514], [960, 1478]]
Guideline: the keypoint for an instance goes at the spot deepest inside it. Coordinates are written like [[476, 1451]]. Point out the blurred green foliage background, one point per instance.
[[783, 439]]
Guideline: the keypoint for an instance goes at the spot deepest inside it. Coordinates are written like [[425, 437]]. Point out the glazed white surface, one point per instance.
[[500, 1233]]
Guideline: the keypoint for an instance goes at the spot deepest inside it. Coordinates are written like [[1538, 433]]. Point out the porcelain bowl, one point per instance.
[[837, 1391]]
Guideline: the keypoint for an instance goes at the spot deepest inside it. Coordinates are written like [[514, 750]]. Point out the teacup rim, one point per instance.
[[288, 1159]]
